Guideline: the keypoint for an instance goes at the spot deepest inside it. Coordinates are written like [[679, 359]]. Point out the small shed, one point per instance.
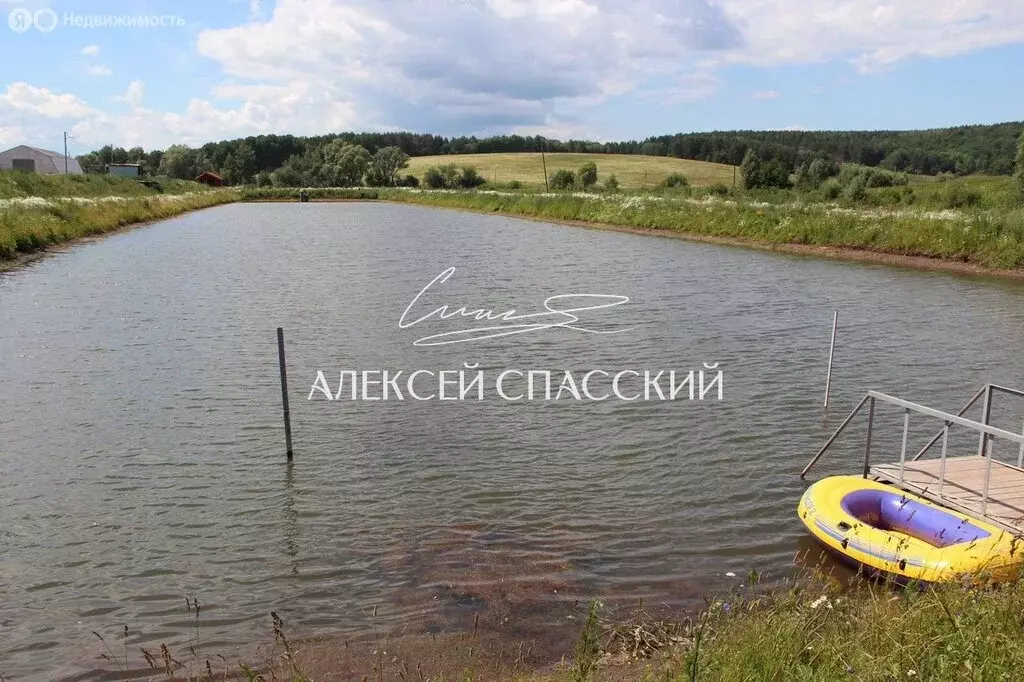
[[210, 178], [124, 170], [35, 160]]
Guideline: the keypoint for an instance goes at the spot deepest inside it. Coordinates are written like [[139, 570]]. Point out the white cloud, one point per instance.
[[133, 95], [489, 66], [871, 34], [43, 102], [99, 70]]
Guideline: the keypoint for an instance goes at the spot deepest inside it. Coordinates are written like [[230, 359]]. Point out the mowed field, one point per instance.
[[632, 171]]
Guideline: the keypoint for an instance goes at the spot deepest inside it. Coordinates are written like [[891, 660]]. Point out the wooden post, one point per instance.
[[284, 392], [831, 353]]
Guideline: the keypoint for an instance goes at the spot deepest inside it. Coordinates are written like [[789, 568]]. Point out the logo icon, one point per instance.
[[20, 19], [45, 20]]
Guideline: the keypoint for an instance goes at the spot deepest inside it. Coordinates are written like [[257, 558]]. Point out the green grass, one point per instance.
[[632, 171], [992, 239], [869, 633], [14, 184], [26, 229]]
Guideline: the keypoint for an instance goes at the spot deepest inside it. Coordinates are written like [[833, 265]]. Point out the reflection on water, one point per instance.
[[142, 455]]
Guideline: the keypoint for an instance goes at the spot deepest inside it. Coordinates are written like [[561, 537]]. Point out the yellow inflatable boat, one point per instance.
[[890, 531]]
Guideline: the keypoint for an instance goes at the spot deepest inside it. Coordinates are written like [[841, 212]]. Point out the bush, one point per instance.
[[719, 189], [562, 179], [470, 178], [443, 177], [611, 183], [410, 181], [433, 178], [515, 184], [958, 195], [832, 189], [587, 175], [676, 180], [856, 190]]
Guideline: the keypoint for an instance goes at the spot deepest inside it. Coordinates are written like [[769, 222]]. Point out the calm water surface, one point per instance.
[[141, 448]]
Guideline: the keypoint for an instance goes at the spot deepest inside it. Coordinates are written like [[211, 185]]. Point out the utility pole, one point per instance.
[[544, 163], [65, 152]]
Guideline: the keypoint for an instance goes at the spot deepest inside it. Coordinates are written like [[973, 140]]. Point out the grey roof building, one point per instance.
[[37, 160]]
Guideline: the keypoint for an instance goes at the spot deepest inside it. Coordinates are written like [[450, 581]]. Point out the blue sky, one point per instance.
[[596, 69]]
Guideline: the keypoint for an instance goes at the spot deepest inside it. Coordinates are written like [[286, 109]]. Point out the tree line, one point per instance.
[[291, 160]]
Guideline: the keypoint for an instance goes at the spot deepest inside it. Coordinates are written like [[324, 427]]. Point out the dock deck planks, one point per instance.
[[964, 486]]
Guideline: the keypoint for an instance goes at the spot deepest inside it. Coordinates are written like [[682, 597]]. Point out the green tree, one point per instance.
[[385, 165], [180, 161], [1020, 165], [562, 179], [587, 175], [239, 165], [344, 165]]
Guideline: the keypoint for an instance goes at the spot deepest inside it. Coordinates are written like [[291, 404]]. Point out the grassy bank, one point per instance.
[[990, 238], [869, 633], [36, 224], [14, 184]]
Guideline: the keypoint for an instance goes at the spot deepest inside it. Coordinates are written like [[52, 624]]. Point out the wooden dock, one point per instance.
[[963, 486]]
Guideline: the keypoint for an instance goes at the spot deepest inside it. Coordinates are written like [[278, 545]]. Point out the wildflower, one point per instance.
[[727, 607], [819, 601]]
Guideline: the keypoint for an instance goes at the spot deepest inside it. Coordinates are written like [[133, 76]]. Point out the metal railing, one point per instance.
[[986, 433]]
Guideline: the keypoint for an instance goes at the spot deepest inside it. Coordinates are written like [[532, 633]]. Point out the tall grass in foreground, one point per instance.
[[873, 633], [28, 228]]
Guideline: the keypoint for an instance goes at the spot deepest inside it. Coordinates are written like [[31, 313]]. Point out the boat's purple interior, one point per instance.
[[894, 512]]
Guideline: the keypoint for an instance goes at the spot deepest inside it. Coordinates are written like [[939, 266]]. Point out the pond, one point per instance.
[[142, 449]]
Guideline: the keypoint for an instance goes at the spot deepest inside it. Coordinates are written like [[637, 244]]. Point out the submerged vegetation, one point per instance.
[[813, 631]]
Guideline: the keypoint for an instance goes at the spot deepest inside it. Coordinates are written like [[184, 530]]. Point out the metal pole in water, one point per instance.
[[831, 354], [284, 392]]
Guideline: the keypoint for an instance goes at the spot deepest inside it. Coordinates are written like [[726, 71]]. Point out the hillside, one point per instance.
[[986, 149], [632, 171]]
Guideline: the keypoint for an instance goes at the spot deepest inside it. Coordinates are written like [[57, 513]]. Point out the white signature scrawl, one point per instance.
[[559, 313]]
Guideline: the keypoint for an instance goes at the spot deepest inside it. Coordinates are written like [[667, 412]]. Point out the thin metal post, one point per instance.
[[1020, 455], [942, 465], [867, 446], [903, 450], [831, 354], [986, 412], [988, 477], [284, 392]]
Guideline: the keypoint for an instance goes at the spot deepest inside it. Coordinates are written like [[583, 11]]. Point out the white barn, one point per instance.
[[37, 160]]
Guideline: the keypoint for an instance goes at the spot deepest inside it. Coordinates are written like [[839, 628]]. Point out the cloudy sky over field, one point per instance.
[[597, 69]]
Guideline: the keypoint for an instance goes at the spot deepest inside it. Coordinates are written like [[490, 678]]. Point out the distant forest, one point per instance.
[[986, 149]]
